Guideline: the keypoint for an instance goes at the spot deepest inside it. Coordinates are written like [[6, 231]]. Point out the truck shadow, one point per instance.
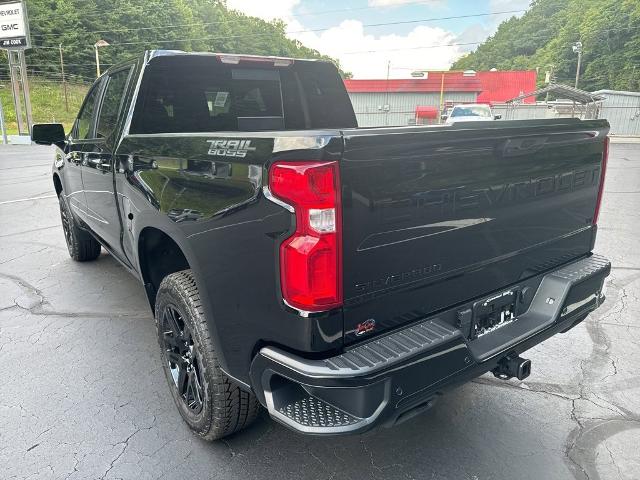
[[480, 430], [485, 429], [476, 431]]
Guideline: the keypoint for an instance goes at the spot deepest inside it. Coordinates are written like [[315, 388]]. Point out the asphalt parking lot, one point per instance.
[[84, 396]]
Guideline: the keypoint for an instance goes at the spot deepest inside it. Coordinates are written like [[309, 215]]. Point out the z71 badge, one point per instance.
[[230, 148]]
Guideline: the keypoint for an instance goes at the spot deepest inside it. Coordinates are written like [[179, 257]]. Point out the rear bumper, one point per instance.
[[395, 376]]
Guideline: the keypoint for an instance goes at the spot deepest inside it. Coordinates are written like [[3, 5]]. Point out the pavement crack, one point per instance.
[[43, 432], [42, 302], [228, 445], [370, 454], [125, 445], [23, 255], [613, 460]]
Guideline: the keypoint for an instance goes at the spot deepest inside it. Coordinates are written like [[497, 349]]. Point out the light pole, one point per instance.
[[99, 43], [577, 48], [425, 73]]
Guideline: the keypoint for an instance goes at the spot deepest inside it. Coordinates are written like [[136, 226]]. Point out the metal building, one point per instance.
[[396, 102], [622, 109]]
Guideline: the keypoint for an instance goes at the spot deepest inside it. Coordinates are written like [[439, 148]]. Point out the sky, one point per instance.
[[371, 36]]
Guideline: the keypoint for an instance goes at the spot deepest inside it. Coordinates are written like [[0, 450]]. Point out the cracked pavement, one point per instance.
[[84, 396]]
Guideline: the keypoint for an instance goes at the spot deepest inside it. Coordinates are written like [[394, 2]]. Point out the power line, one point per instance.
[[97, 13], [180, 40], [315, 30]]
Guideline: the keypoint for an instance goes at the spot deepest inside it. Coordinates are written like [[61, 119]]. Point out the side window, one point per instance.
[[112, 103], [83, 124]]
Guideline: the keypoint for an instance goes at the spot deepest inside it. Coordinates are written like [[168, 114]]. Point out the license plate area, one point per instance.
[[494, 312]]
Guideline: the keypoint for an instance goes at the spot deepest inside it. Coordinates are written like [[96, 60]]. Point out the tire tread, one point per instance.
[[83, 247], [232, 408]]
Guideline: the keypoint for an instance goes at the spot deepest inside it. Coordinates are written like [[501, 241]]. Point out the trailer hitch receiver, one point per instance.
[[513, 366]]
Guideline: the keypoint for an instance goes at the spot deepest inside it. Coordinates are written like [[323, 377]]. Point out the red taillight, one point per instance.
[[311, 258], [603, 171]]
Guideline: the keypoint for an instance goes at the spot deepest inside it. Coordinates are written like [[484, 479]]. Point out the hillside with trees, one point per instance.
[[131, 26], [543, 37]]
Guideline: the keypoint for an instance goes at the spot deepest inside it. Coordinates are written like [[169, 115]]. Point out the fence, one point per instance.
[[48, 101]]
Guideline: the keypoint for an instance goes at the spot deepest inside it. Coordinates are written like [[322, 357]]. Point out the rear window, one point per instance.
[[201, 94]]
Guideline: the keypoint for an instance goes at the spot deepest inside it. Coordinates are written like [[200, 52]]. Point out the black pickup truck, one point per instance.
[[341, 277]]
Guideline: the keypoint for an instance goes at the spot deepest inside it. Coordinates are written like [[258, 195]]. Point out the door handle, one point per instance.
[[75, 158], [104, 165], [98, 162]]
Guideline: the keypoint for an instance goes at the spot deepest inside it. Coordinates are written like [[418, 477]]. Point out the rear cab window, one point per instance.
[[202, 94]]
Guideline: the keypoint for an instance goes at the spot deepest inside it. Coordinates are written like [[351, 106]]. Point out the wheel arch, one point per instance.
[[57, 184], [159, 255]]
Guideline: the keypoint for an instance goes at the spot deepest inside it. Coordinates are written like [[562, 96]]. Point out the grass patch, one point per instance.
[[47, 103]]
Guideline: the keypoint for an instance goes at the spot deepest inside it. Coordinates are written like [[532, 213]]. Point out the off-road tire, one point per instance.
[[80, 243], [225, 408]]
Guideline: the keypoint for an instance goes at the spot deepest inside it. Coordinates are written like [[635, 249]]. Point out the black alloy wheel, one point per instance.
[[182, 359], [82, 246], [209, 401], [66, 227]]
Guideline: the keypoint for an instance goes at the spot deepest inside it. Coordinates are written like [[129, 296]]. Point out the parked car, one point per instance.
[[341, 277], [471, 113]]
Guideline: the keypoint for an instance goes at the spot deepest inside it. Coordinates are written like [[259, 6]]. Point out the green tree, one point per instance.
[[131, 26], [543, 38]]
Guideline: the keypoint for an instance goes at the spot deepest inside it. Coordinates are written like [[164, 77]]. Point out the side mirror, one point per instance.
[[497, 117], [48, 133], [444, 117]]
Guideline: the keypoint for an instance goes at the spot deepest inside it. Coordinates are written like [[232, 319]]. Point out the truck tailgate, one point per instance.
[[436, 216]]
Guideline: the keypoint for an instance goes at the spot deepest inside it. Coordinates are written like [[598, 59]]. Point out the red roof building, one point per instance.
[[453, 82], [492, 87], [500, 86]]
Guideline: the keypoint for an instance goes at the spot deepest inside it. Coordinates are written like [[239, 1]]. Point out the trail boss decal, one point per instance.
[[230, 148]]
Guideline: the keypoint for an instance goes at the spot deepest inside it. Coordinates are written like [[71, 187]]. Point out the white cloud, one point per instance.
[[474, 34], [375, 51], [506, 6], [266, 9], [478, 32], [388, 3]]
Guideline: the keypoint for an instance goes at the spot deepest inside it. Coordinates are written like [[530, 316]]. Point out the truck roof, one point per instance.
[[168, 53], [231, 58]]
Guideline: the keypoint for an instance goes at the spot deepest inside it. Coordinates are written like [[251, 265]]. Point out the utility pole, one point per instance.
[[577, 48], [441, 109], [64, 82], [386, 106]]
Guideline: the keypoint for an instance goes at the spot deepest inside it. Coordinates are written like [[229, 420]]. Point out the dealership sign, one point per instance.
[[14, 29]]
